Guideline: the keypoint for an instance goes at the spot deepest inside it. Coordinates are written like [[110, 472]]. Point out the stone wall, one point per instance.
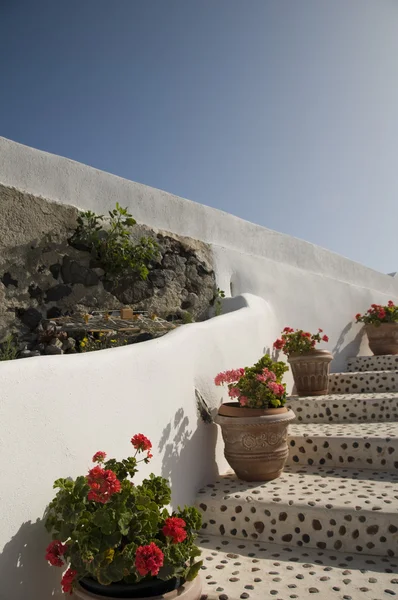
[[42, 276]]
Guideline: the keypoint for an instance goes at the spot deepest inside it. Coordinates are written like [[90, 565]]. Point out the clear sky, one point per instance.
[[283, 112]]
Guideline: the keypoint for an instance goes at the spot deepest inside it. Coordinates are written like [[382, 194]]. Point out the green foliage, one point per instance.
[[217, 301], [187, 317], [102, 538], [112, 245], [9, 348]]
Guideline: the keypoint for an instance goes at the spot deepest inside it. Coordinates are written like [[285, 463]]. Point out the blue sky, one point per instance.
[[283, 112]]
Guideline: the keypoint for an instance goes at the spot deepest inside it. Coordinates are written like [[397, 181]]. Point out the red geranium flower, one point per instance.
[[67, 581], [140, 442], [149, 559], [54, 551], [99, 457], [103, 484], [278, 344], [358, 316], [174, 528], [325, 338]]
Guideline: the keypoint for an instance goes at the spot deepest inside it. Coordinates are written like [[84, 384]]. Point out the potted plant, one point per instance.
[[254, 426], [310, 366], [118, 539], [381, 324]]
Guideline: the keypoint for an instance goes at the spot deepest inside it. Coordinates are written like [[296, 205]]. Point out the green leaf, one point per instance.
[[124, 521], [193, 571]]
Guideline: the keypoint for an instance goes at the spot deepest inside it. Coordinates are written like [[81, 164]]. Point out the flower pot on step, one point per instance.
[[383, 339], [255, 440], [311, 372], [154, 589]]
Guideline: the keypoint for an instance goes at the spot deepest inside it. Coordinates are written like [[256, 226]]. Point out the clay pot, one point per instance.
[[255, 440], [190, 590], [311, 372], [383, 339]]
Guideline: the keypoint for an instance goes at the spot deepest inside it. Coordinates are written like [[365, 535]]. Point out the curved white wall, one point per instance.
[[55, 412]]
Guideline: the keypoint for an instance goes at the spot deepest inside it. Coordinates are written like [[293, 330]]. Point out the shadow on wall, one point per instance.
[[24, 572], [187, 455], [341, 352]]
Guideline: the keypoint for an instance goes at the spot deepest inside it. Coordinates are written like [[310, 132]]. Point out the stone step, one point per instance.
[[236, 569], [387, 362], [345, 408], [363, 383], [355, 445], [328, 509]]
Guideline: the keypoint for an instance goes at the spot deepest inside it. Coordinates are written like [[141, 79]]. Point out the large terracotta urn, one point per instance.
[[150, 590], [383, 338], [311, 372], [255, 440]]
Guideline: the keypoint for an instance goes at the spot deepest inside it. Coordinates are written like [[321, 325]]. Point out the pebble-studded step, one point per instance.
[[363, 383], [336, 510], [356, 445], [240, 570], [388, 362], [345, 408]]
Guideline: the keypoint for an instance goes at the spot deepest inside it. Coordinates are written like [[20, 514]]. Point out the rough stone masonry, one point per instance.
[[42, 276]]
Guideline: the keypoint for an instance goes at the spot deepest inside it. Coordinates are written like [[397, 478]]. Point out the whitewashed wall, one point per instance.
[[56, 411]]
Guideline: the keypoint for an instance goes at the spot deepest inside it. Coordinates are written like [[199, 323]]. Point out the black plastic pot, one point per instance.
[[143, 589]]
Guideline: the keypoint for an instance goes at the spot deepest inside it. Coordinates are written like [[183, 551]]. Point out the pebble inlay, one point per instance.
[[365, 445], [388, 362], [363, 383], [339, 510], [262, 571], [345, 408]]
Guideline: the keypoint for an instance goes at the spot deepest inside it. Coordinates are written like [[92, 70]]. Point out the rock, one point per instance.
[[35, 292], [55, 270], [143, 337], [54, 312], [129, 289], [7, 280], [69, 345], [29, 317], [57, 292], [29, 353], [157, 278], [73, 272], [51, 350]]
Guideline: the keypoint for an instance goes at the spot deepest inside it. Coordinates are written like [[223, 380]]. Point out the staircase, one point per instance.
[[329, 524]]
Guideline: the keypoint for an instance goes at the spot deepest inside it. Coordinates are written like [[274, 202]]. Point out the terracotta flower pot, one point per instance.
[[311, 372], [190, 590], [255, 440], [383, 339]]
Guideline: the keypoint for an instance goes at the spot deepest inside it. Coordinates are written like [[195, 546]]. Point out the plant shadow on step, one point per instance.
[[291, 555], [24, 573], [188, 456]]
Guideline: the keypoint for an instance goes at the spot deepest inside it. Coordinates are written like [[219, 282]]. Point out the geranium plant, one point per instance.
[[378, 314], [106, 528], [259, 386], [298, 341]]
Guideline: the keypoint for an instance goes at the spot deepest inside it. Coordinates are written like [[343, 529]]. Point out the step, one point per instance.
[[354, 445], [363, 383], [345, 408], [329, 509], [387, 362], [235, 569]]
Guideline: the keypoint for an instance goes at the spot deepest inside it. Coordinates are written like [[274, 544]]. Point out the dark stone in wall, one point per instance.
[[57, 292], [29, 317], [73, 272], [7, 280]]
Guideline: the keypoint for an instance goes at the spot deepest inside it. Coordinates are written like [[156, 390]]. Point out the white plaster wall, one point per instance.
[[55, 412]]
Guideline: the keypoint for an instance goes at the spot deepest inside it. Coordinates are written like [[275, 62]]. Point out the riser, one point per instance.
[[314, 511], [235, 569], [363, 383], [354, 446], [339, 408], [387, 362]]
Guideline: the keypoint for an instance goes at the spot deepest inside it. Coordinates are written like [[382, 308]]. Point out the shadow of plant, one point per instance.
[[342, 352], [24, 572]]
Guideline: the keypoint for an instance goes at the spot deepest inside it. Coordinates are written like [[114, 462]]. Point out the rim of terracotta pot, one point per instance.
[[373, 326], [234, 409], [280, 416], [312, 353]]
